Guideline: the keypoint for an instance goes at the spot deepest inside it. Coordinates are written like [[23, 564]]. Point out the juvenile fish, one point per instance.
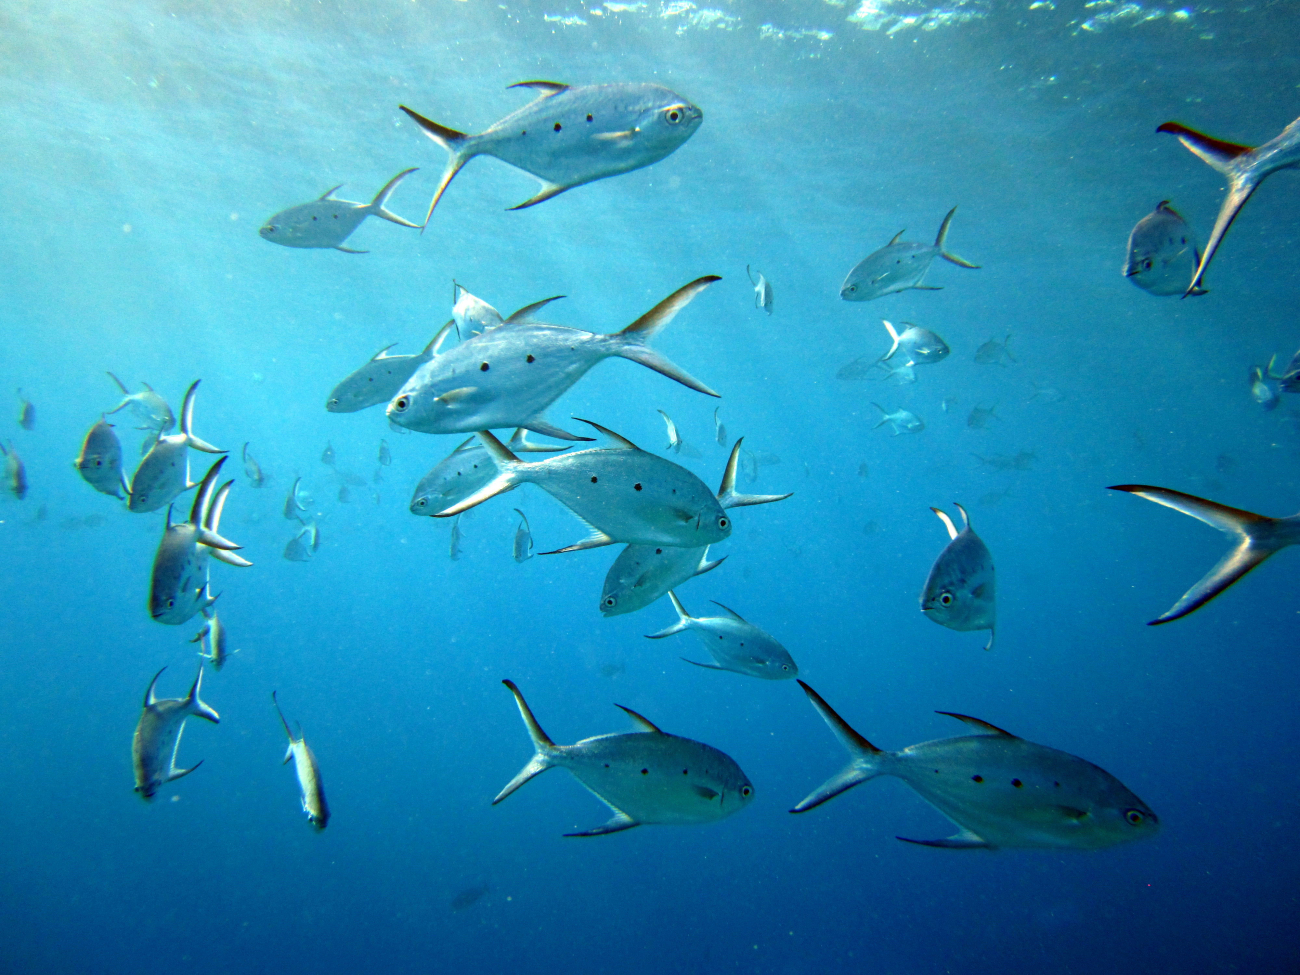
[[463, 472], [719, 428], [100, 460], [762, 291], [961, 592], [898, 266], [523, 539], [454, 549], [979, 416], [15, 472], [214, 633], [1262, 389], [308, 772], [993, 352], [26, 412], [327, 455], [148, 407], [573, 135], [1162, 253], [157, 737], [165, 470], [379, 379], [385, 455], [1001, 791], [645, 777], [327, 222], [253, 470], [734, 644], [900, 421], [472, 315], [302, 547], [919, 346], [293, 503], [643, 573]]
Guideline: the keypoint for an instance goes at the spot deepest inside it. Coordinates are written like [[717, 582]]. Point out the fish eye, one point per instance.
[[1135, 817], [401, 404], [746, 791], [171, 603], [422, 502], [674, 115], [785, 666], [610, 601], [946, 599], [853, 287], [724, 522]]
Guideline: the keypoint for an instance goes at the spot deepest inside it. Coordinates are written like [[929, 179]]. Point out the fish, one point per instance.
[[178, 585], [637, 774], [1245, 166], [1020, 461], [327, 455], [464, 471], [15, 481], [454, 549], [26, 412], [472, 315], [302, 547], [919, 346], [719, 428], [147, 406], [100, 460], [901, 421], [523, 539], [643, 573], [861, 368], [308, 771], [898, 266], [507, 376], [1045, 394], [327, 222], [762, 291], [385, 455], [345, 494], [734, 644], [863, 470], [1257, 537], [674, 438], [467, 898], [992, 352], [292, 502], [165, 470], [622, 493], [979, 416], [157, 738], [961, 591], [1162, 253], [253, 470], [379, 379], [1290, 376], [948, 403], [1262, 390], [570, 135], [214, 632], [1001, 791]]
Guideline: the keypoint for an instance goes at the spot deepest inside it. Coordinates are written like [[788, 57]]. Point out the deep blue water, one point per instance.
[[143, 145]]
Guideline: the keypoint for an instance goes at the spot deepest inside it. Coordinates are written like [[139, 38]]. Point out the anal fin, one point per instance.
[[965, 840], [547, 191], [618, 824]]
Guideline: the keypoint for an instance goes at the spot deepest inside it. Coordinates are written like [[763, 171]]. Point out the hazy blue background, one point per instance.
[[827, 129]]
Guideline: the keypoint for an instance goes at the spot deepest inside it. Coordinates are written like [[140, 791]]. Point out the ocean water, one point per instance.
[[144, 144]]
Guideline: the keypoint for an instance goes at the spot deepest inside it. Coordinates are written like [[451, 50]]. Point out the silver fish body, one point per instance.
[[100, 460], [214, 635], [379, 379], [253, 470], [1262, 388], [762, 291], [1162, 253], [643, 573], [523, 547], [15, 476], [979, 416], [298, 548], [148, 407], [898, 266], [719, 428], [157, 736], [385, 455], [734, 644], [915, 345], [165, 470], [307, 769], [464, 471], [327, 222], [961, 590], [900, 421]]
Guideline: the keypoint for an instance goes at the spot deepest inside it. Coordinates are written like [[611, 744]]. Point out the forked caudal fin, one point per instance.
[[451, 140], [542, 760], [187, 422], [864, 757], [378, 206], [727, 495], [941, 242], [508, 466], [633, 341], [684, 620], [195, 706]]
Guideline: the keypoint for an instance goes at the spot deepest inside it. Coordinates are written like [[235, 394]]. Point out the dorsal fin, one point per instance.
[[977, 723], [525, 314], [642, 722], [329, 193], [894, 239], [149, 698], [380, 354], [731, 612], [618, 439], [547, 88], [943, 516]]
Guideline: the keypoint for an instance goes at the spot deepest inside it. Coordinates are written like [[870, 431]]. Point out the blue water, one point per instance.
[[143, 145]]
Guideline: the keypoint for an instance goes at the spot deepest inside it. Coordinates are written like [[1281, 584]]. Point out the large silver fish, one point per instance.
[[464, 471], [523, 547], [1003, 792], [379, 379], [1257, 537], [157, 736], [100, 460], [643, 573], [1245, 166], [919, 346], [471, 313], [308, 772], [762, 291], [327, 222], [961, 592], [733, 643], [623, 494], [646, 776], [214, 635], [148, 407], [507, 376], [1162, 253], [900, 421], [178, 587], [15, 476], [26, 412], [571, 135], [899, 265], [165, 470]]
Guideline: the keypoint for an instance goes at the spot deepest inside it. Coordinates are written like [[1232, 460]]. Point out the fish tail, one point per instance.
[[546, 749], [196, 707], [633, 342], [893, 335], [187, 422], [729, 497], [864, 757], [941, 243], [683, 623], [508, 468], [1215, 152], [377, 205], [125, 391], [456, 143]]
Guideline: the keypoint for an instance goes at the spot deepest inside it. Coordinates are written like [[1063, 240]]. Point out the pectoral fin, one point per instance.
[[704, 792], [547, 191], [349, 250]]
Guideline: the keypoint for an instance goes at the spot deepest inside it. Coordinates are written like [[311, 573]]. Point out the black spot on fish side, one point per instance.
[[588, 116], [558, 126], [1017, 783], [659, 551], [484, 368], [637, 486], [684, 771], [645, 771], [593, 479], [531, 358], [977, 778]]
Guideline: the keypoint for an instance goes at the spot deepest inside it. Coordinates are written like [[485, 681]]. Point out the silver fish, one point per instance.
[[919, 346], [100, 460], [734, 644], [157, 737], [464, 471], [308, 772], [253, 470], [214, 632], [622, 493], [178, 586], [148, 407], [860, 368], [979, 416], [15, 478], [165, 470], [472, 315], [453, 550], [961, 591], [900, 421], [26, 412], [507, 376], [379, 379], [327, 222], [674, 438], [646, 777], [292, 502], [899, 265], [303, 545], [1262, 389], [1162, 253], [719, 428], [762, 291], [643, 573], [1257, 537], [327, 455], [1245, 166], [573, 135], [385, 455], [993, 352], [523, 539], [1003, 792]]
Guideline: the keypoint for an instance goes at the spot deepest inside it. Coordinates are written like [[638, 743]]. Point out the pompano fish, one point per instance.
[[919, 346], [643, 573], [327, 455], [1245, 166], [471, 314], [961, 591], [453, 550], [1003, 792], [302, 547], [147, 406], [327, 222], [165, 470], [379, 379], [762, 291], [979, 416], [993, 352], [523, 548], [1257, 537], [860, 368], [623, 494], [899, 265], [674, 438], [308, 772], [734, 644], [252, 469], [464, 471], [15, 481], [571, 135], [507, 376], [719, 428], [385, 455], [100, 460], [292, 502], [1262, 390], [157, 737], [214, 633], [26, 412], [1162, 253], [646, 777], [900, 421]]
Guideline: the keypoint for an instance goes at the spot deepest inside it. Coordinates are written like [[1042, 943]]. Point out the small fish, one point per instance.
[[570, 135], [993, 352], [646, 776], [901, 421], [308, 772], [1045, 394], [379, 379], [1262, 390], [1162, 253], [472, 315], [719, 428], [327, 222], [467, 898], [863, 367], [100, 460], [26, 412], [464, 471], [214, 632], [327, 455], [385, 455], [919, 346], [293, 503], [454, 549], [253, 470], [302, 547], [610, 671], [15, 481], [898, 266], [979, 416], [674, 438], [148, 407], [643, 573], [863, 470], [345, 494], [1245, 166], [1257, 538], [1003, 792], [1020, 461], [961, 592], [523, 538], [157, 737], [734, 644], [949, 402], [165, 470], [762, 291]]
